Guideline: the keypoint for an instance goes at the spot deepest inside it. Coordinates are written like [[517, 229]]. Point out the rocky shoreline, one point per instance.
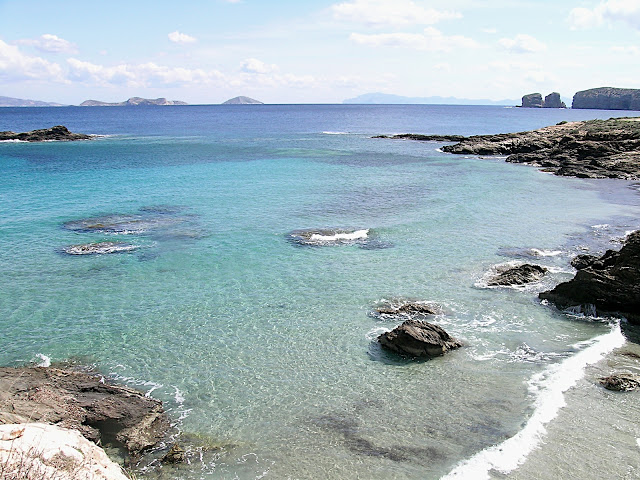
[[586, 149], [58, 133]]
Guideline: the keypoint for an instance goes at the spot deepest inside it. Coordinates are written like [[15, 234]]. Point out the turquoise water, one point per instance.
[[266, 347]]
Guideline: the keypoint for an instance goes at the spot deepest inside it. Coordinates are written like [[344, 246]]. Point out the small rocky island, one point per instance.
[[608, 98], [534, 100], [242, 101], [59, 133]]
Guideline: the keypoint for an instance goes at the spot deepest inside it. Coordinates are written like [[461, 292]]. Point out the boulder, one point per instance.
[[520, 275], [176, 454], [532, 100], [583, 261], [407, 309], [85, 402], [620, 383], [611, 283], [38, 451], [420, 339], [553, 100]]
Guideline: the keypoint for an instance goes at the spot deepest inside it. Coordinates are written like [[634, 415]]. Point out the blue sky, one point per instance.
[[314, 52]]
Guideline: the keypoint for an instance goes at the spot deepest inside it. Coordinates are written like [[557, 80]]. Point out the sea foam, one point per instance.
[[357, 235], [549, 387]]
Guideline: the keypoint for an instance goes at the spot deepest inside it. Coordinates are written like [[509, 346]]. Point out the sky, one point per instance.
[[321, 51]]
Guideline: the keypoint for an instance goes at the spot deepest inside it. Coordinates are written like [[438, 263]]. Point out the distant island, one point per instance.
[[242, 101], [21, 102], [386, 98], [608, 98], [133, 102]]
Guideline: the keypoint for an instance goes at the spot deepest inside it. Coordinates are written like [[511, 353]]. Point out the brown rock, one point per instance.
[[420, 339]]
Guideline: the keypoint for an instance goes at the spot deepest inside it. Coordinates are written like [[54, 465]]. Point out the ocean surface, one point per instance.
[[263, 347]]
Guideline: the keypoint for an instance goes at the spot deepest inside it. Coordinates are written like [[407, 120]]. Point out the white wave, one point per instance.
[[638, 442], [335, 133], [600, 226], [357, 235], [376, 332], [545, 253], [45, 361], [14, 141], [178, 395], [549, 387]]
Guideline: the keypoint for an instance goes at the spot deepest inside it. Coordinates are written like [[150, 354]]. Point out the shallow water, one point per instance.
[[266, 347]]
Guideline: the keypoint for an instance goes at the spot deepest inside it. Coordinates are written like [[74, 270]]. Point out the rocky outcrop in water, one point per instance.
[[519, 275], [553, 100], [392, 309], [424, 138], [583, 261], [608, 98], [623, 382], [100, 248], [532, 100], [101, 412], [589, 149], [417, 338], [38, 451], [611, 284], [242, 101], [59, 133]]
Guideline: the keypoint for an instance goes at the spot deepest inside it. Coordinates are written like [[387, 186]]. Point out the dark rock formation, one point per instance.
[[59, 133], [424, 138], [176, 454], [420, 339], [133, 102], [553, 101], [620, 383], [589, 149], [611, 284], [608, 98], [85, 402], [242, 101], [532, 100], [583, 261], [520, 275], [99, 248]]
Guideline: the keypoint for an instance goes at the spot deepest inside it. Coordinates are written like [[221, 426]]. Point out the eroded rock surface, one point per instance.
[[519, 275], [418, 338], [623, 382]]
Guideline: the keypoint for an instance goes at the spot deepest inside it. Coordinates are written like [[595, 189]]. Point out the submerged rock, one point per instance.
[[611, 284], [620, 383], [328, 237], [99, 248], [38, 451], [176, 454], [58, 133], [102, 412], [520, 275], [406, 309], [418, 338]]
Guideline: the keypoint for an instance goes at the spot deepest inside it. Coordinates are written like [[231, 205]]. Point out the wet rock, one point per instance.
[[393, 309], [583, 261], [59, 133], [424, 138], [176, 454], [99, 248], [85, 402], [611, 283], [620, 383], [420, 339], [520, 275]]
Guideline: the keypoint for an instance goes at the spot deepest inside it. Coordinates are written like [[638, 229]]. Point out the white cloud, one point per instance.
[[181, 38], [431, 40], [384, 12], [610, 10], [630, 50], [522, 43], [50, 44], [16, 66], [490, 31], [253, 65]]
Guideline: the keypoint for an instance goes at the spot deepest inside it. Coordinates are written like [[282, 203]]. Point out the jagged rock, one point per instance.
[[532, 100], [553, 100], [406, 309], [608, 98], [611, 283], [583, 261], [620, 383], [38, 451], [176, 454], [59, 133], [417, 338], [520, 275], [84, 402], [588, 149], [424, 138]]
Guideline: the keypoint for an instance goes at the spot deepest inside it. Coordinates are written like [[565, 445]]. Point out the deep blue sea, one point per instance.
[[263, 349]]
